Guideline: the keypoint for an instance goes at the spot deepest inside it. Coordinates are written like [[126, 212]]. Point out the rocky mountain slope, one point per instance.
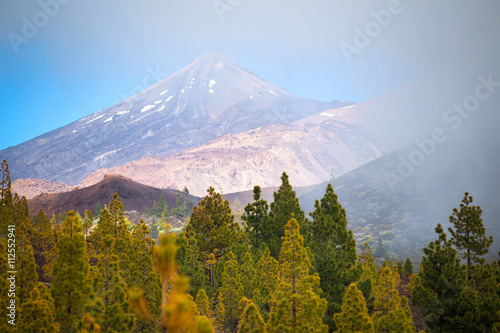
[[211, 97], [309, 152]]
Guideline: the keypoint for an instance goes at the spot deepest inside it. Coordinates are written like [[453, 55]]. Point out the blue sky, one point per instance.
[[83, 56]]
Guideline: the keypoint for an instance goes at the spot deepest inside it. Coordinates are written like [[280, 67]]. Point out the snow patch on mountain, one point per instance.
[[147, 107], [94, 119]]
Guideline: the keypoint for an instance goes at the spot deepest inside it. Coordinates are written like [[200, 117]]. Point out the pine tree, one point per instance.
[[37, 313], [88, 222], [71, 286], [285, 203], [296, 305], [43, 241], [368, 278], [392, 313], [160, 206], [203, 304], [247, 275], [438, 285], [111, 308], [231, 291], [354, 316], [267, 281], [380, 251], [257, 222], [213, 226], [408, 267], [141, 274], [251, 320], [334, 250], [468, 232], [98, 210], [191, 264]]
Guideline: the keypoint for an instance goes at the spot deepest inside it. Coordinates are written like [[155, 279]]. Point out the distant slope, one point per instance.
[[211, 97], [403, 208], [135, 196]]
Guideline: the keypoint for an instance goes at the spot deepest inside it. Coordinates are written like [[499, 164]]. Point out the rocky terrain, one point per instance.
[[309, 152]]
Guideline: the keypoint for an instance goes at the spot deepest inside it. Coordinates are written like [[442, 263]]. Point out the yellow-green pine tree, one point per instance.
[[251, 321], [25, 260], [70, 286], [141, 274], [37, 314], [392, 313], [203, 304], [296, 305], [354, 316]]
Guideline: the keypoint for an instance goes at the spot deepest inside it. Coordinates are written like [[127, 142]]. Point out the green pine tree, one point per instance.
[[296, 305], [98, 210], [257, 222], [334, 250], [468, 233], [267, 280], [111, 309], [354, 316], [408, 267], [438, 285], [247, 275], [25, 260], [71, 286], [43, 241], [285, 203], [231, 291], [213, 226], [160, 206]]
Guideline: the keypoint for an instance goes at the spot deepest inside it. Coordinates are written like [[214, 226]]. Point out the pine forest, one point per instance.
[[270, 268]]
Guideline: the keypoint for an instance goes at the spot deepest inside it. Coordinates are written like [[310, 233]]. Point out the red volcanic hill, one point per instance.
[[133, 195]]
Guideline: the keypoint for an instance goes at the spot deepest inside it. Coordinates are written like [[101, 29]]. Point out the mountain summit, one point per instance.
[[211, 97]]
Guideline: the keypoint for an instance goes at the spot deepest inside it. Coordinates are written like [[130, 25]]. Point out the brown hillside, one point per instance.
[[135, 196]]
